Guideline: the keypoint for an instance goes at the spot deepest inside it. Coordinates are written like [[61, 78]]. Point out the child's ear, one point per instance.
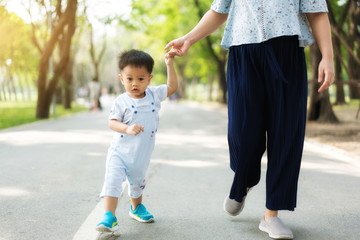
[[121, 78], [151, 76]]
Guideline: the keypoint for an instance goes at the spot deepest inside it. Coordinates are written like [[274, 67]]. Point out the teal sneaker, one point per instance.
[[141, 214], [108, 223]]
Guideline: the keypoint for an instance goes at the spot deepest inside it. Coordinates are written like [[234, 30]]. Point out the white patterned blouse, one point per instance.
[[256, 21]]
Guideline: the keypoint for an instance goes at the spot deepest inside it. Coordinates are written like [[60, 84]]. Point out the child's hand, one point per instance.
[[134, 129], [169, 59]]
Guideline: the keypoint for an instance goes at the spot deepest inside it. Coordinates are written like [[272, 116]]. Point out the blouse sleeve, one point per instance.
[[221, 6], [313, 6]]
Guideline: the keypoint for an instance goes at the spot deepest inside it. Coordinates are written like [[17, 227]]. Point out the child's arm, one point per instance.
[[172, 82], [320, 26], [120, 127], [209, 23]]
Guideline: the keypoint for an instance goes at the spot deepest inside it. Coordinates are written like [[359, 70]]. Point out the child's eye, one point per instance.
[[141, 79], [129, 79]]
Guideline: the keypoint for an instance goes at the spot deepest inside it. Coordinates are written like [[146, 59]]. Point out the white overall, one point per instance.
[[129, 156]]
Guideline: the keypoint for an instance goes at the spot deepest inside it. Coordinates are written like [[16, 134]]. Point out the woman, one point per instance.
[[267, 93]]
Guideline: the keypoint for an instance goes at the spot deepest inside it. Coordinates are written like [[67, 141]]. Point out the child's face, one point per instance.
[[135, 80]]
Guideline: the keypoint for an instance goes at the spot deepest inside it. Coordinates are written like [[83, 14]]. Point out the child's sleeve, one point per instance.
[[160, 92], [313, 6], [221, 6], [116, 111]]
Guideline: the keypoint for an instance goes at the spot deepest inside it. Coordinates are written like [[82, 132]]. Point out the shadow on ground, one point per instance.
[[108, 235]]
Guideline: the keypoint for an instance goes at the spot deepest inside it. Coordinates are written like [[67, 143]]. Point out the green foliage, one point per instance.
[[18, 113], [15, 43], [350, 104], [162, 21]]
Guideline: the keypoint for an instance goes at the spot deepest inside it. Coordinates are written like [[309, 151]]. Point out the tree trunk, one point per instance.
[[2, 88], [8, 81], [194, 84], [340, 95], [96, 60], [181, 78], [222, 78], [58, 95], [21, 86], [353, 42], [68, 84], [27, 83], [4, 83], [220, 59], [210, 87], [320, 108], [47, 88]]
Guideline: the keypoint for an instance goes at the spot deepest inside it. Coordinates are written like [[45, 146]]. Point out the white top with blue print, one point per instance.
[[256, 21], [145, 112]]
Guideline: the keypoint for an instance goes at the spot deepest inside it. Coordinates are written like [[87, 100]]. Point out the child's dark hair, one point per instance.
[[136, 58]]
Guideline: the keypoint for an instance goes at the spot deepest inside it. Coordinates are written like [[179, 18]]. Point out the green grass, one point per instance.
[[18, 113], [350, 104]]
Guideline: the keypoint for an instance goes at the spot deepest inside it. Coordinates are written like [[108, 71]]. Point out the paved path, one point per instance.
[[51, 173]]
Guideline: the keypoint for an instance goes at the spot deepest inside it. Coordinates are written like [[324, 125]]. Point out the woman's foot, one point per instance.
[[233, 207], [275, 228]]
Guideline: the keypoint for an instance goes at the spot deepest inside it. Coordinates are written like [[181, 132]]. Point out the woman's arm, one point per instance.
[[320, 26], [208, 24]]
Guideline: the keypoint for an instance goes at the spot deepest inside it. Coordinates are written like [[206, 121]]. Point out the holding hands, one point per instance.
[[179, 47], [169, 60]]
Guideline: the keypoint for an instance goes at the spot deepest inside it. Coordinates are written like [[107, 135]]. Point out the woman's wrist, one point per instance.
[[328, 56], [189, 39]]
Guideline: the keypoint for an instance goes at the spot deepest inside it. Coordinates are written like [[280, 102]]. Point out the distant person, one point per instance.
[[267, 93], [134, 118], [111, 90], [94, 89]]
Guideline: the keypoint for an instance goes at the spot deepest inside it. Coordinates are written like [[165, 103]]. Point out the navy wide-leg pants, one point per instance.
[[267, 91]]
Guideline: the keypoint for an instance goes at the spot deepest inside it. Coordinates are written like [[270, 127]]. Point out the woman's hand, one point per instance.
[[326, 74], [179, 47]]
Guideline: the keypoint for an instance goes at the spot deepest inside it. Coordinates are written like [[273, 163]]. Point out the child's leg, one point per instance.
[[109, 221], [114, 177], [139, 212], [110, 204], [136, 202], [137, 209]]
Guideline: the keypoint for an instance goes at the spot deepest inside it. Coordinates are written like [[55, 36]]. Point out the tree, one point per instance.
[[96, 59], [172, 17], [62, 32], [220, 58], [320, 107], [17, 56], [339, 63], [354, 43], [345, 22]]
